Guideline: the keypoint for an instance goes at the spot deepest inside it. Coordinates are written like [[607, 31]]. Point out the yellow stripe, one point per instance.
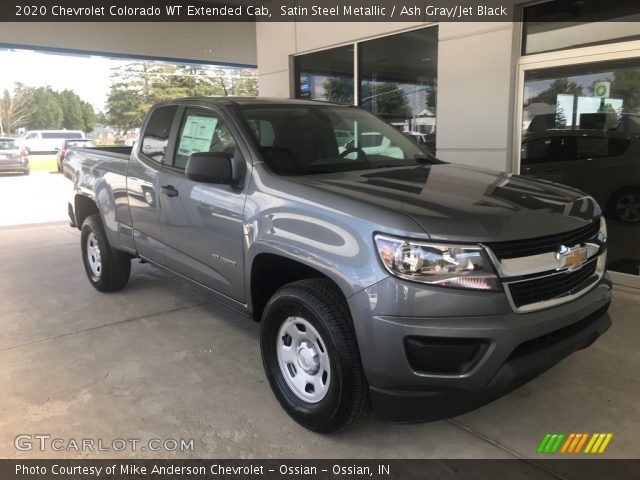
[[596, 445], [590, 444], [607, 439], [574, 443], [567, 442], [584, 439]]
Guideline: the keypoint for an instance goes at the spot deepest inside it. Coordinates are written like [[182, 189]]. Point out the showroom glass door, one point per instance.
[[581, 127]]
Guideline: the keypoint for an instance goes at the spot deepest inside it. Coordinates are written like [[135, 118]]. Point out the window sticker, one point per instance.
[[197, 134]]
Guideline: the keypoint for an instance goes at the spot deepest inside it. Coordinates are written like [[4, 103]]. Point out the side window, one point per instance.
[[536, 150], [592, 147], [618, 146], [156, 136], [202, 132], [31, 136]]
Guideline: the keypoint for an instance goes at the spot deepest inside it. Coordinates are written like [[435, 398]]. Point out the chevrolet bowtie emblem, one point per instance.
[[570, 258]]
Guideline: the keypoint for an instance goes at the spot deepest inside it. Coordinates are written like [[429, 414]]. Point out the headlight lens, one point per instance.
[[458, 266]]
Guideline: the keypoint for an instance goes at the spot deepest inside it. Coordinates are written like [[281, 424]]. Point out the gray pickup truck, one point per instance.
[[380, 275]]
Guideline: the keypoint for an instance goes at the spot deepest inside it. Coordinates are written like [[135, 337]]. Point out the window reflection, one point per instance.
[[581, 127], [326, 76], [398, 81]]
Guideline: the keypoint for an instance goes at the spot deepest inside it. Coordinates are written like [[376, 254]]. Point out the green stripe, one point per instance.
[[543, 443], [558, 442], [547, 449]]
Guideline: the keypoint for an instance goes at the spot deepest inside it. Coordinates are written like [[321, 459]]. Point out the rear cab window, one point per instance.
[[156, 135]]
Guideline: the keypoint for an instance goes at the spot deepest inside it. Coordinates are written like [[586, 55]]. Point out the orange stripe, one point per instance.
[[584, 439], [567, 442], [575, 442]]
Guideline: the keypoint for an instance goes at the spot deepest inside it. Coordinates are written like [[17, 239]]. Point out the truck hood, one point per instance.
[[464, 204]]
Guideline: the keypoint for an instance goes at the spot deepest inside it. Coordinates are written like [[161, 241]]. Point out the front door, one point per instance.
[[203, 223]]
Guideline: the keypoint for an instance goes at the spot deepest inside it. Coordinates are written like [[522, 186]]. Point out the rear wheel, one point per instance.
[[108, 270], [311, 357]]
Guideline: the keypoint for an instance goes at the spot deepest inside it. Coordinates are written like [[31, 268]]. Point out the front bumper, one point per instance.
[[512, 348]]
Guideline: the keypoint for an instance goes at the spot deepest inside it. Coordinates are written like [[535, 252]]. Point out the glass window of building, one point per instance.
[[326, 75], [581, 127], [398, 81], [558, 25]]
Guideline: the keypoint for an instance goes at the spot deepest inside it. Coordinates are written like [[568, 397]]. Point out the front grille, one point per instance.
[[541, 289], [550, 243]]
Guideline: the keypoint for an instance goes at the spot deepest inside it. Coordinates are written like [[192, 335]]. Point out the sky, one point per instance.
[[87, 75]]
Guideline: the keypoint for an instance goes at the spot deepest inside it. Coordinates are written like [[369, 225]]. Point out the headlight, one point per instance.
[[458, 266]]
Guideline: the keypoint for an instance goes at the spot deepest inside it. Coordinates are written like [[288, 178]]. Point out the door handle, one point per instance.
[[169, 190]]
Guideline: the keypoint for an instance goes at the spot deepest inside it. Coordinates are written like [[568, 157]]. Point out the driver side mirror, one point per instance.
[[213, 167]]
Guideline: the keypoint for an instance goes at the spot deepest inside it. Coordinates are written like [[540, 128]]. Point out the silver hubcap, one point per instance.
[[628, 207], [303, 359], [93, 255]]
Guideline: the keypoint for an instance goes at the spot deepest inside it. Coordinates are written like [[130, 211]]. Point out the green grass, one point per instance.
[[43, 163]]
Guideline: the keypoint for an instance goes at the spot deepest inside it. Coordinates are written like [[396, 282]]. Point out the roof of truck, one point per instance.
[[254, 101]]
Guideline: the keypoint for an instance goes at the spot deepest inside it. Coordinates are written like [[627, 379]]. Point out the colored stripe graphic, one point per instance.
[[551, 442], [581, 442], [573, 443], [568, 442], [598, 442], [543, 443]]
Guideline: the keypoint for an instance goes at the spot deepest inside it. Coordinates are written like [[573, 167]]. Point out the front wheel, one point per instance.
[[108, 270], [311, 357], [625, 205]]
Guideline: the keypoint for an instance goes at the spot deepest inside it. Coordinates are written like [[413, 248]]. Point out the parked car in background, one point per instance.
[[67, 144], [13, 158], [600, 162], [47, 140]]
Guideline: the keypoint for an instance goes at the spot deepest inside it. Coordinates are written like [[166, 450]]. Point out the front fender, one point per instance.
[[339, 249]]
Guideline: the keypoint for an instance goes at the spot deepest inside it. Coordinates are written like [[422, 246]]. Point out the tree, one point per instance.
[[72, 113], [386, 99], [432, 96], [558, 86], [135, 87], [339, 90], [15, 108], [47, 112], [88, 116], [626, 85]]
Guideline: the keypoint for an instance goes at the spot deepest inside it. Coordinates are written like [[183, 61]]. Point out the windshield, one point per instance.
[[307, 139], [8, 144]]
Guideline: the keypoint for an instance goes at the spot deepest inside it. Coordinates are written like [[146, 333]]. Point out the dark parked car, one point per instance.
[[13, 158], [601, 162], [67, 144]]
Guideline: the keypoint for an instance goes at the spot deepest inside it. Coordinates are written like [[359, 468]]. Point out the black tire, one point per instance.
[[631, 213], [320, 303], [27, 170], [115, 266]]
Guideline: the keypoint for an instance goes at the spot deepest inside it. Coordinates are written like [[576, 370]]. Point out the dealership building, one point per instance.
[[555, 95]]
